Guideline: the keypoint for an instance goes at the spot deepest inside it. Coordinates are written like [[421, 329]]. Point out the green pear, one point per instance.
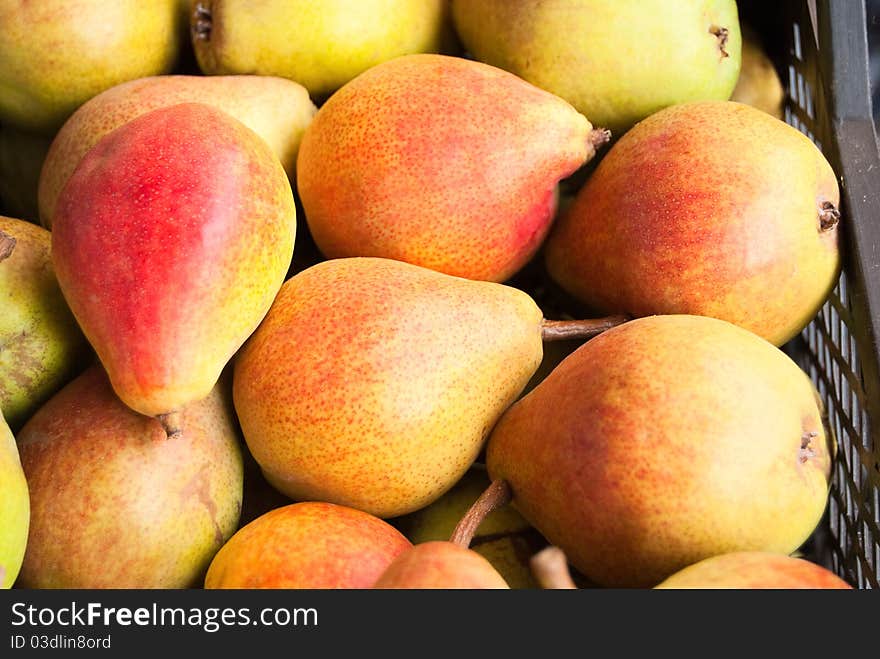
[[57, 54], [115, 503], [14, 508], [321, 44], [373, 383], [278, 110], [662, 442], [503, 538], [21, 158], [616, 61], [41, 346]]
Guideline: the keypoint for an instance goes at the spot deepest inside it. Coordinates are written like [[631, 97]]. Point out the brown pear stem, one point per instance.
[[201, 22], [171, 422], [560, 330], [550, 568], [496, 496], [829, 216], [7, 244], [599, 137]]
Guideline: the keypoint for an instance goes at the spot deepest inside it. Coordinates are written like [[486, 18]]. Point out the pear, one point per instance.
[[690, 213], [662, 442], [758, 84], [752, 570], [14, 508], [41, 346], [170, 240], [372, 383], [503, 538], [278, 110], [57, 54], [440, 565], [457, 168], [321, 44], [21, 158], [114, 503], [307, 545], [616, 61]]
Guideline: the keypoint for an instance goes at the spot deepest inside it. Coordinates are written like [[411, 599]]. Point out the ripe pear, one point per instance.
[[321, 44], [751, 570], [57, 54], [14, 508], [662, 442], [114, 502], [41, 346], [616, 61], [758, 84], [21, 157], [170, 240], [457, 168], [504, 538], [278, 110], [691, 213], [373, 383], [307, 545], [440, 565]]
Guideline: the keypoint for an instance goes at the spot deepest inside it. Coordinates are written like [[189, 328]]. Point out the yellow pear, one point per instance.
[[57, 54], [321, 44], [14, 508], [759, 84]]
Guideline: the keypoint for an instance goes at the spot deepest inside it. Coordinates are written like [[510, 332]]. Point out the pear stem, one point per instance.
[[7, 244], [171, 422], [560, 330], [496, 496], [599, 137], [201, 22], [550, 568]]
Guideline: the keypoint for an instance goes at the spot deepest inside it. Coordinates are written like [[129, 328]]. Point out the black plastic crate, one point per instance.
[[821, 50]]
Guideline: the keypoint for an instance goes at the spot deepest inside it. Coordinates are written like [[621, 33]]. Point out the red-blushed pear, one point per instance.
[[662, 442], [441, 564], [170, 240], [442, 162], [373, 383], [278, 110], [711, 208], [749, 570], [307, 545], [114, 502]]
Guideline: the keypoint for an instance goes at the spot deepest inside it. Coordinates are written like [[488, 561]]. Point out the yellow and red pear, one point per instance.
[[114, 502], [752, 569], [170, 240], [307, 545], [278, 110], [373, 383], [662, 442], [439, 564], [692, 213], [441, 162]]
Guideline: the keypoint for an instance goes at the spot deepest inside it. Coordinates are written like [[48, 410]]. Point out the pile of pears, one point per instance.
[[402, 294]]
